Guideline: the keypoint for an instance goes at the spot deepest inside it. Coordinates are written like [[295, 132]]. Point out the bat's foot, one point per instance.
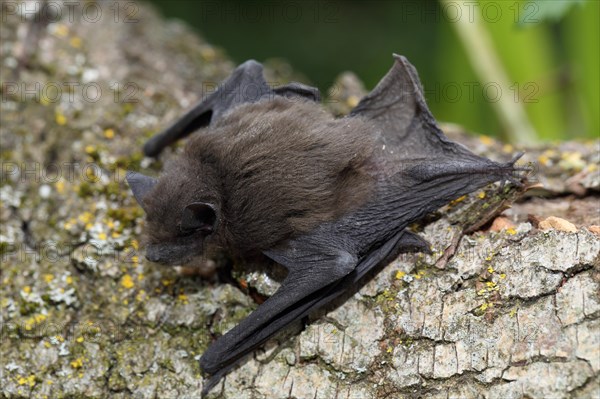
[[449, 251]]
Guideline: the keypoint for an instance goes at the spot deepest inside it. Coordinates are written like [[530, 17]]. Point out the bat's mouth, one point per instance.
[[172, 254]]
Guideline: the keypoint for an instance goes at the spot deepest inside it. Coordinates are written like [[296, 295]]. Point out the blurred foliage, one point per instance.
[[549, 50]]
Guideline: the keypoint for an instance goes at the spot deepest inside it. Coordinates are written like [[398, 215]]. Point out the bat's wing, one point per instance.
[[245, 85], [317, 275], [312, 265], [421, 169], [408, 131]]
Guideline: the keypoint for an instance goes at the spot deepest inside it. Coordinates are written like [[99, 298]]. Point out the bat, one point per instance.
[[270, 172]]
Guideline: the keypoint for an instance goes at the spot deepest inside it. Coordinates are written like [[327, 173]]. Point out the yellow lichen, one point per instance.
[[61, 30], [400, 274], [26, 380], [457, 200], [75, 42], [77, 363], [91, 176], [208, 53], [127, 281], [571, 160], [86, 217], [60, 118], [140, 296], [109, 133], [486, 140], [60, 186], [419, 275], [352, 101]]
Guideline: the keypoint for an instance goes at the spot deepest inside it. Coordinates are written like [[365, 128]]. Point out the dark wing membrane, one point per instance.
[[419, 168], [313, 265], [412, 144], [318, 275], [245, 85], [398, 107]]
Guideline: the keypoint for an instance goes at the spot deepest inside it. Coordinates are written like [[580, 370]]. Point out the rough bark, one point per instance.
[[514, 312]]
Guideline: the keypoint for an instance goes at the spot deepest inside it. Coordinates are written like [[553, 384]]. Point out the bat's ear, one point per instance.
[[140, 185], [199, 216]]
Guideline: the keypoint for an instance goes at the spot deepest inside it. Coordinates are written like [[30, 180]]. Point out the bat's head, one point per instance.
[[182, 213]]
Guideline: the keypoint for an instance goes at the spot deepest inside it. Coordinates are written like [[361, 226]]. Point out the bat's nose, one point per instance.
[[152, 255]]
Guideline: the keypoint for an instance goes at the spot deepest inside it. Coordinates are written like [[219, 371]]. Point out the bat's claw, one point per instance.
[[517, 175], [518, 156]]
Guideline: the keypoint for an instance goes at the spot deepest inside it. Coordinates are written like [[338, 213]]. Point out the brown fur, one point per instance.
[[274, 169]]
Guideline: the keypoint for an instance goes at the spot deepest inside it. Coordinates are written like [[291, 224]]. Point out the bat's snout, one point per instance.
[[173, 254], [153, 255]]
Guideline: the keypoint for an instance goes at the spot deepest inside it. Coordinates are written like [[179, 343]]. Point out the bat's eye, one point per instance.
[[188, 231]]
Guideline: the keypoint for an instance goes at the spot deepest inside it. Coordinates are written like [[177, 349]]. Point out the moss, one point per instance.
[[113, 188], [116, 382], [6, 247], [131, 162], [85, 189], [126, 215], [27, 308]]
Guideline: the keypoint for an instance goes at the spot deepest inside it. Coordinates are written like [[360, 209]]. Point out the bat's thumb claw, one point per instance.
[[517, 175], [516, 158]]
